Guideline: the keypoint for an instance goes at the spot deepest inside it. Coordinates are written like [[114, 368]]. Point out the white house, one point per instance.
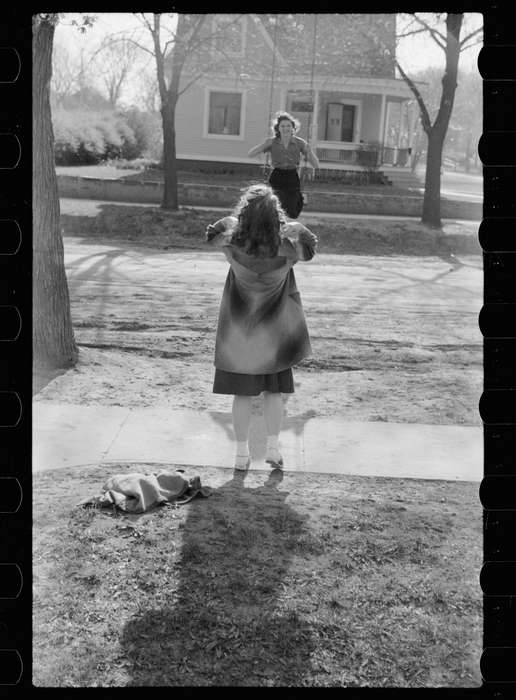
[[344, 91]]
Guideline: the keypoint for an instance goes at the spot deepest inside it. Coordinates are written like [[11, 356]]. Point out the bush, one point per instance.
[[147, 131], [83, 137]]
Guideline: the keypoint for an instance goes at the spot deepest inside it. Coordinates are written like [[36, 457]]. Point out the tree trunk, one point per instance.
[[170, 198], [53, 339], [437, 132], [432, 197]]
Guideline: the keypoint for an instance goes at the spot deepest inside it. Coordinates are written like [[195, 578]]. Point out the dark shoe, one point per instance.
[[274, 458]]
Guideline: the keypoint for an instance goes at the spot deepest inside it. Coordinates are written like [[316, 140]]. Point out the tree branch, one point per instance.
[[140, 46], [411, 33], [425, 117], [142, 18], [437, 36], [470, 36]]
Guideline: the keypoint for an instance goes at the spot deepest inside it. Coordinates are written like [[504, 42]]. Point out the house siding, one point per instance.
[[256, 59], [343, 52], [190, 114]]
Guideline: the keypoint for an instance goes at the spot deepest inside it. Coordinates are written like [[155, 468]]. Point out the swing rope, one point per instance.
[[312, 99], [267, 166]]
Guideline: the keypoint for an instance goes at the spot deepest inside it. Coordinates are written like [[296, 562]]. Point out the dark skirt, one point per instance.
[[287, 187], [253, 384]]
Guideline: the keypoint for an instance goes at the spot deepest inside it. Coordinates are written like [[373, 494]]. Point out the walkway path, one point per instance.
[[67, 435]]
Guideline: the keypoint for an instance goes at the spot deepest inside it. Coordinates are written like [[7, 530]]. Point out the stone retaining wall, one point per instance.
[[226, 196]]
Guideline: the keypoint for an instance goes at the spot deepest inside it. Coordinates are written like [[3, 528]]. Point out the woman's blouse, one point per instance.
[[261, 327], [286, 158]]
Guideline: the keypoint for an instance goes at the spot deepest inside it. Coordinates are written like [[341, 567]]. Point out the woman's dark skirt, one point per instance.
[[287, 187], [253, 384]]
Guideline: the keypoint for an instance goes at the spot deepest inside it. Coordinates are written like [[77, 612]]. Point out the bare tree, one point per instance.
[[64, 74], [149, 89], [452, 44], [171, 54], [115, 60], [53, 338], [448, 38]]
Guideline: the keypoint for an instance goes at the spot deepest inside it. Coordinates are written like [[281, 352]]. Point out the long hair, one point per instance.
[[279, 117], [260, 218]]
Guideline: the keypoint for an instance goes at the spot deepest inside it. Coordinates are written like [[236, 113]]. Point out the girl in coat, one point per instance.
[[261, 329], [286, 149]]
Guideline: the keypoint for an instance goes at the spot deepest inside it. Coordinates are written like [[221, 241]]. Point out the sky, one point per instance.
[[414, 53]]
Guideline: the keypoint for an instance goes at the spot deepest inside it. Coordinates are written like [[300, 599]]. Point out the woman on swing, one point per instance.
[[285, 149]]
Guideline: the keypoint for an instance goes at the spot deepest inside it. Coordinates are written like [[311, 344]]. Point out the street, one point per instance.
[[394, 338]]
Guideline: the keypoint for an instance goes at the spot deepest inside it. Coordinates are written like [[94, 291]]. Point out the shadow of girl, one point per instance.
[[230, 620]]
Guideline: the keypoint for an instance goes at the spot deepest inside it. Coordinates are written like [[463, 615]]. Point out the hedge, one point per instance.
[[86, 138]]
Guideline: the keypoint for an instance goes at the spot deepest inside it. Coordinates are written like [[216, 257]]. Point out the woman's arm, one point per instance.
[[298, 243], [260, 148], [221, 231]]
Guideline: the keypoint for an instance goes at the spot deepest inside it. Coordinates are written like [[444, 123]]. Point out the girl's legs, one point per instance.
[[273, 414], [241, 421]]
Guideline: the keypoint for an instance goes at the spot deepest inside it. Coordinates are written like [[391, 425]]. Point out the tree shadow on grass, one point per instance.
[[229, 621]]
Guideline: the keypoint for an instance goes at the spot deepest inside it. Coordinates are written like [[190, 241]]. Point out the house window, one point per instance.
[[340, 122], [301, 106], [224, 112], [228, 35]]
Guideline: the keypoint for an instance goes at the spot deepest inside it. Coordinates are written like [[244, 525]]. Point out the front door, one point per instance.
[[340, 120]]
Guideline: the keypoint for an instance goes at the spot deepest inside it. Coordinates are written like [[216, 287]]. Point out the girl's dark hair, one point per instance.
[[260, 217], [279, 117]]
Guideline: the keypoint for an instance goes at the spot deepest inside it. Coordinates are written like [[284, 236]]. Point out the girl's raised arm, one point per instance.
[[260, 148], [221, 231], [298, 241]]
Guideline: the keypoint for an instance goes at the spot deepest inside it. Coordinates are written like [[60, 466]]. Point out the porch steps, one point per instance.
[[403, 178]]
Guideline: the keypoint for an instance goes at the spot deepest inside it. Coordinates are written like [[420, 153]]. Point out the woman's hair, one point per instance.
[[260, 217], [279, 117]]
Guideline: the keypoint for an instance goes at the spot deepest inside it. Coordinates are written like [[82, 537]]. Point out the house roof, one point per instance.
[[268, 38], [332, 44]]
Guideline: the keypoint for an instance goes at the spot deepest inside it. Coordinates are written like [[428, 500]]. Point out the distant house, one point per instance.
[[345, 93]]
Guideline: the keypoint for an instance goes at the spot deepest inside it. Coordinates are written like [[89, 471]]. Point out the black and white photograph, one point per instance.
[[257, 363]]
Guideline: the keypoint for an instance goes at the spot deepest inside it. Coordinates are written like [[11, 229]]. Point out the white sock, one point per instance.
[[242, 448], [272, 442]]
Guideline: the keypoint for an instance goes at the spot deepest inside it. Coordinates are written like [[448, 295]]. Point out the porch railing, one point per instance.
[[365, 155]]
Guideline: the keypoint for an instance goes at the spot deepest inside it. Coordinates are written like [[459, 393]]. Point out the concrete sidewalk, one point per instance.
[[66, 435]]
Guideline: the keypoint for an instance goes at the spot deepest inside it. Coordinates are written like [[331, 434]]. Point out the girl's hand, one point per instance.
[[211, 232], [221, 228], [308, 238]]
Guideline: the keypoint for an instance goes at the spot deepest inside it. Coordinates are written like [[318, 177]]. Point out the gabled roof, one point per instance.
[[331, 44]]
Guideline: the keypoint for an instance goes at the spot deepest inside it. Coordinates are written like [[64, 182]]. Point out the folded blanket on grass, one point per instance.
[[137, 493]]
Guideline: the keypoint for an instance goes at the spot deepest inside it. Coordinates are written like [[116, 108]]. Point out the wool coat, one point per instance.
[[261, 327]]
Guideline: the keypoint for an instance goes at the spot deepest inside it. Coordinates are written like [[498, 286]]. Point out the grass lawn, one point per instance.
[[155, 227], [240, 180], [274, 580]]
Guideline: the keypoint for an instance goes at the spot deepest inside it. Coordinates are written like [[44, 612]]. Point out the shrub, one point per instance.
[[147, 131], [83, 137]]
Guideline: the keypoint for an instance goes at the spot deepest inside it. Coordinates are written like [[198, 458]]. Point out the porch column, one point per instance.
[[382, 120], [382, 129], [314, 126], [398, 140]]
